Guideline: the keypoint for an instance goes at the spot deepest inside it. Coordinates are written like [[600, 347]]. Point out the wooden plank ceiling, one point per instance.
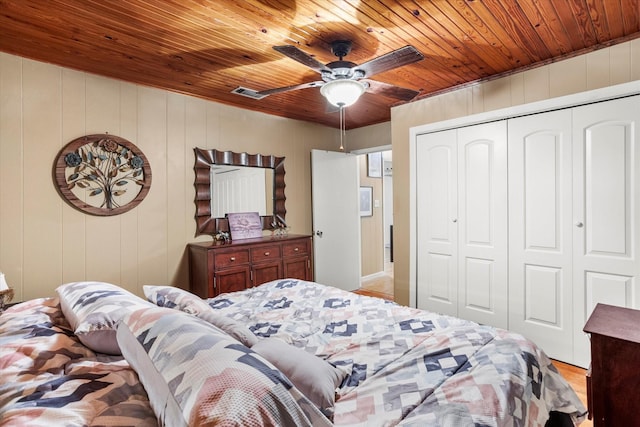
[[207, 48]]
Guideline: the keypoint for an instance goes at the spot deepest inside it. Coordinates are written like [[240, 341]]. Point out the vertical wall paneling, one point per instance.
[[41, 106], [153, 211], [540, 230], [11, 177], [128, 222], [103, 241], [45, 242], [177, 197], [74, 107]]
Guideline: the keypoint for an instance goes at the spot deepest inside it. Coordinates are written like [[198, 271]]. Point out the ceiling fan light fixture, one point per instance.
[[342, 92]]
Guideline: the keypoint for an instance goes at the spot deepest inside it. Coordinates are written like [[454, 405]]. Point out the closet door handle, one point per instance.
[[579, 224], [455, 220]]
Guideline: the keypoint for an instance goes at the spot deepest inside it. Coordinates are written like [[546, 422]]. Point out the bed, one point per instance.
[[288, 352]]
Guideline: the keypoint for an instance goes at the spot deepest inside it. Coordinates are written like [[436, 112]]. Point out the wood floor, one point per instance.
[[381, 286], [576, 377]]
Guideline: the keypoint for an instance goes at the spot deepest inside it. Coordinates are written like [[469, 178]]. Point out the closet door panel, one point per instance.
[[478, 292], [482, 226], [540, 231], [607, 180], [436, 156], [606, 201]]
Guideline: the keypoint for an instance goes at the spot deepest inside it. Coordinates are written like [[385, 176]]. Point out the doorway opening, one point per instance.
[[376, 224]]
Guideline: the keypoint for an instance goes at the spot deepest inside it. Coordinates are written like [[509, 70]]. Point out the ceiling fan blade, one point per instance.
[[302, 57], [392, 91], [290, 88], [397, 58]]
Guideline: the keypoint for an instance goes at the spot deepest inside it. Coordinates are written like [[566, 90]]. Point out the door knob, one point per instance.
[[579, 224], [455, 220], [319, 233]]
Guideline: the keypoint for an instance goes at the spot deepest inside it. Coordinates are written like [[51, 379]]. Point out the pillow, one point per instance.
[[196, 375], [93, 310], [314, 377], [172, 297], [231, 326]]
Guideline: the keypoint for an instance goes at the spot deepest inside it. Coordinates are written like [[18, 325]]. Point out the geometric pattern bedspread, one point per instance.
[[407, 366], [49, 378]]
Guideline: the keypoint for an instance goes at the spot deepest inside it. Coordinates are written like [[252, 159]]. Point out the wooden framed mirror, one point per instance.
[[205, 160]]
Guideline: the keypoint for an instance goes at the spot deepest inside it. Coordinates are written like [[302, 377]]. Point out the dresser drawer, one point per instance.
[[264, 253], [229, 258], [295, 248]]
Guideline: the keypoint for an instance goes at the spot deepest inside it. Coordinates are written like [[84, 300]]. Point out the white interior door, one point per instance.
[[335, 182], [437, 216], [540, 231], [606, 151], [482, 223]]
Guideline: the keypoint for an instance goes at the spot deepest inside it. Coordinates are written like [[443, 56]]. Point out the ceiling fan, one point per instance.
[[344, 81]]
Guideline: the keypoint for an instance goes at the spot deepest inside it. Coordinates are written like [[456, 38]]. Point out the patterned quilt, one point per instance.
[[407, 366], [48, 378]]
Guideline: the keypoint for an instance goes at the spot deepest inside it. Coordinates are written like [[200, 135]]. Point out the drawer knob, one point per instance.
[[266, 254], [232, 258], [295, 249]]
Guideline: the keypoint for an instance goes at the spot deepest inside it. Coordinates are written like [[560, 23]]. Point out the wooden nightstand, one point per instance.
[[613, 380]]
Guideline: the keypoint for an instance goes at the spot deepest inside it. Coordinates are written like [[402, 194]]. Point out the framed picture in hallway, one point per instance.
[[374, 165], [366, 195]]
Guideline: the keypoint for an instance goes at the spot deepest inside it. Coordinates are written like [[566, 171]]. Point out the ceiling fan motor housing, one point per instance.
[[341, 48]]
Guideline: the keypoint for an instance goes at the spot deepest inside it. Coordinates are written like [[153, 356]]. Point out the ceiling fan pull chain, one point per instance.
[[342, 127]]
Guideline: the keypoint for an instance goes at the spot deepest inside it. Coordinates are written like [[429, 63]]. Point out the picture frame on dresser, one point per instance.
[[244, 225]]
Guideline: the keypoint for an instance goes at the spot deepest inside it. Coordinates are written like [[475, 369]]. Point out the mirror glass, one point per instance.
[[230, 182], [241, 189]]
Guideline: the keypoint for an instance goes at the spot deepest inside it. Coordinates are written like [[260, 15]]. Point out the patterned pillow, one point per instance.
[[314, 377], [93, 310], [231, 326], [196, 375], [172, 297]]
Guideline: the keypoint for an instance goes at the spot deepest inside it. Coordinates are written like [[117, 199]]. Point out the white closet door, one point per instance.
[[436, 157], [540, 231], [606, 210], [482, 223]]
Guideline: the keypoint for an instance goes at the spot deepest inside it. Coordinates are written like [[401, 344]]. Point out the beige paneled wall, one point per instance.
[[378, 135], [602, 68], [44, 242]]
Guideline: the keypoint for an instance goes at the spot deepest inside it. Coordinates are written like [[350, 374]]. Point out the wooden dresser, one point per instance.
[[613, 380], [216, 267]]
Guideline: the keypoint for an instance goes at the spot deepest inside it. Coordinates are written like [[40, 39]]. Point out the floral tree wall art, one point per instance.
[[102, 174]]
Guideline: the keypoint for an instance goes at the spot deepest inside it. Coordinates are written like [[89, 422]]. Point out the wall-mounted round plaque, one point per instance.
[[102, 174]]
